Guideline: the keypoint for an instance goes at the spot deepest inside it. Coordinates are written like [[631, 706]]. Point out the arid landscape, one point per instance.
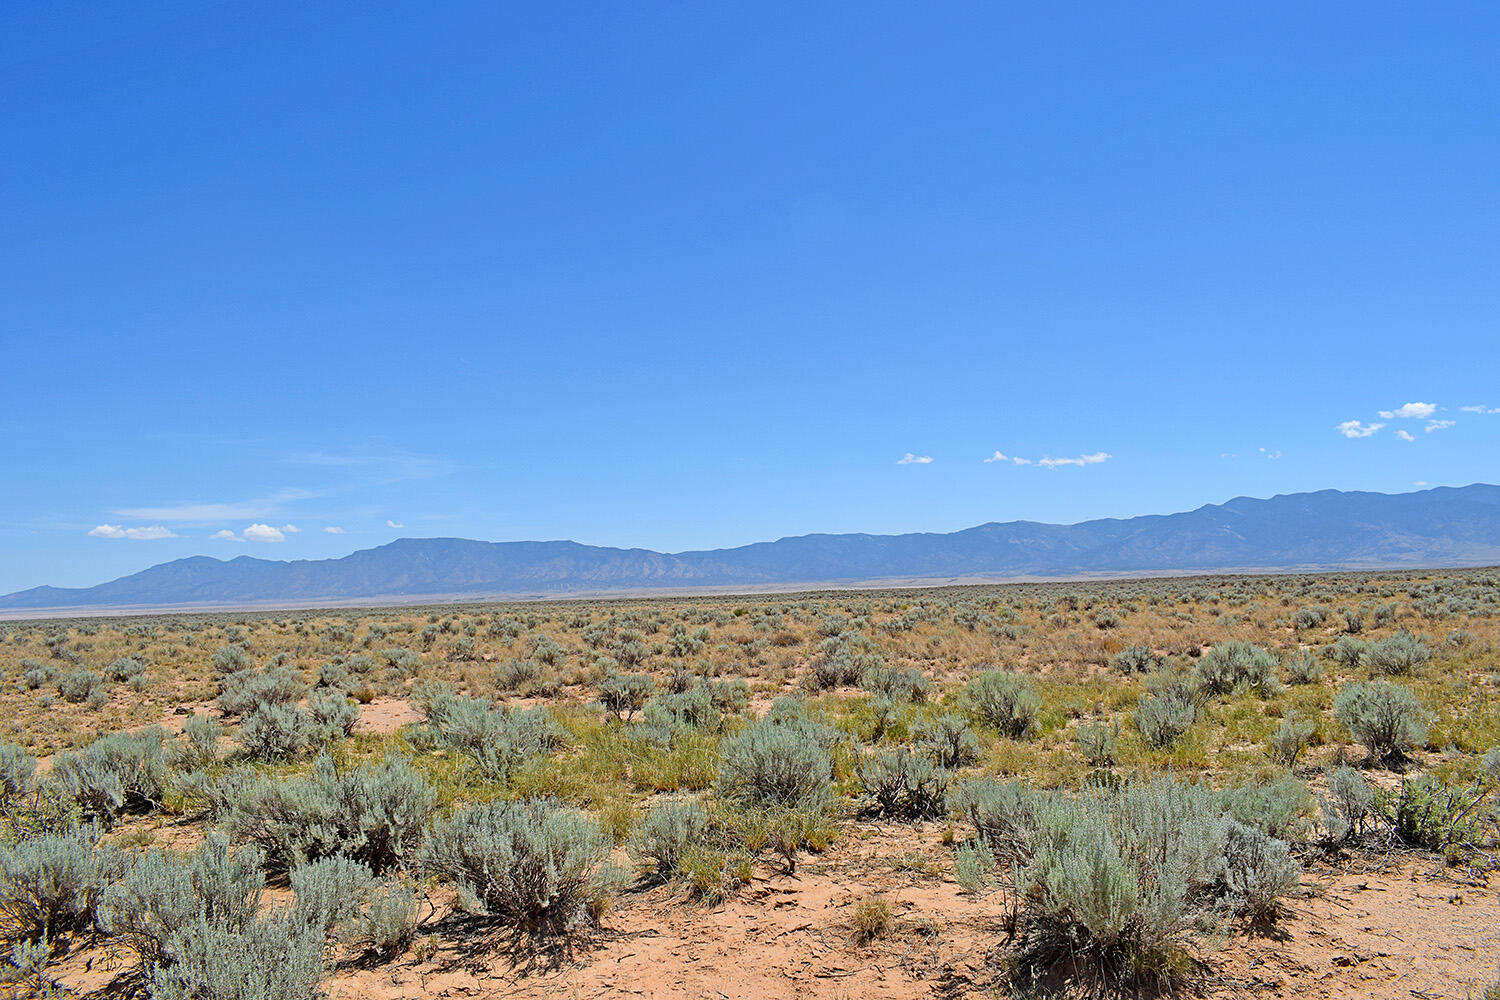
[[846, 794]]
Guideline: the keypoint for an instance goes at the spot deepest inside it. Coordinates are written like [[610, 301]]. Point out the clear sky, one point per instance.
[[689, 276]]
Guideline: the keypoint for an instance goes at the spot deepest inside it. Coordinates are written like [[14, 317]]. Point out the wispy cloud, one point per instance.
[[1410, 411], [145, 534], [1057, 463], [910, 459], [1405, 435], [1355, 429], [394, 524], [385, 466], [1480, 409], [1437, 425], [1270, 454], [333, 529], [997, 457], [202, 513]]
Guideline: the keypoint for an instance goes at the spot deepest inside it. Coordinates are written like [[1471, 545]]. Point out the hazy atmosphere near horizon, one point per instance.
[[293, 280]]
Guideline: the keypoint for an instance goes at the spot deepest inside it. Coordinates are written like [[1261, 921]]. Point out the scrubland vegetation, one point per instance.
[[1128, 774]]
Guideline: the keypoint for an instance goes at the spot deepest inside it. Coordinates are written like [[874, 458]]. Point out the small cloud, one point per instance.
[[1480, 409], [1355, 429], [1438, 425], [1094, 459], [1419, 482], [146, 534], [394, 524], [1405, 435], [997, 457], [225, 535], [910, 459], [1021, 461], [1272, 455], [290, 529], [263, 533], [333, 529], [1227, 454], [1410, 411]]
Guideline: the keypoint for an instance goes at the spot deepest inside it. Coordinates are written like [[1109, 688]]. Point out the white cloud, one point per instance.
[[997, 457], [1409, 411], [1094, 459], [1021, 461], [202, 513], [394, 524], [334, 529], [263, 533], [1355, 429], [1405, 435], [290, 529], [1438, 425], [910, 459], [1480, 409], [225, 535], [1272, 455], [145, 534], [1419, 482]]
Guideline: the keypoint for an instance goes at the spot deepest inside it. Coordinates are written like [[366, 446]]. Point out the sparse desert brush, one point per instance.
[[872, 918], [1386, 718], [530, 866]]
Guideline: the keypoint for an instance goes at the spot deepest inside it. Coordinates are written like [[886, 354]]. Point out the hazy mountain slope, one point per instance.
[[1438, 527]]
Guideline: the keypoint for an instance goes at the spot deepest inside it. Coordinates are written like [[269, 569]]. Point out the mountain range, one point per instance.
[[1329, 529]]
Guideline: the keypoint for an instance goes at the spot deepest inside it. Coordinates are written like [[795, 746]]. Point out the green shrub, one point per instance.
[[901, 784], [333, 715], [1135, 660], [1004, 699], [17, 776], [1233, 666], [625, 694], [231, 659], [50, 883], [1387, 719], [496, 740], [537, 868], [948, 740], [116, 773], [771, 764], [389, 920], [1451, 820], [374, 813], [127, 668], [81, 685], [244, 691], [276, 957], [1002, 812], [274, 732], [1282, 808], [664, 836], [900, 684], [1349, 803], [1122, 885], [201, 735], [159, 894], [1291, 739], [1346, 651], [1162, 718], [1399, 653], [330, 892], [1098, 742], [1302, 667]]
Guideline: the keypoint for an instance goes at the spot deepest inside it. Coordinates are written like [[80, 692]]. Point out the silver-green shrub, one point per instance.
[[50, 883], [1386, 718], [1234, 666], [665, 832], [374, 813], [1004, 699], [159, 894], [771, 764], [900, 784], [537, 868], [275, 957]]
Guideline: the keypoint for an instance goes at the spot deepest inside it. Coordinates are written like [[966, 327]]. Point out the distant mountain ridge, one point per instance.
[[1329, 529]]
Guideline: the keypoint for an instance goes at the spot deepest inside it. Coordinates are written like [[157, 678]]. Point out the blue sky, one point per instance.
[[690, 276]]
